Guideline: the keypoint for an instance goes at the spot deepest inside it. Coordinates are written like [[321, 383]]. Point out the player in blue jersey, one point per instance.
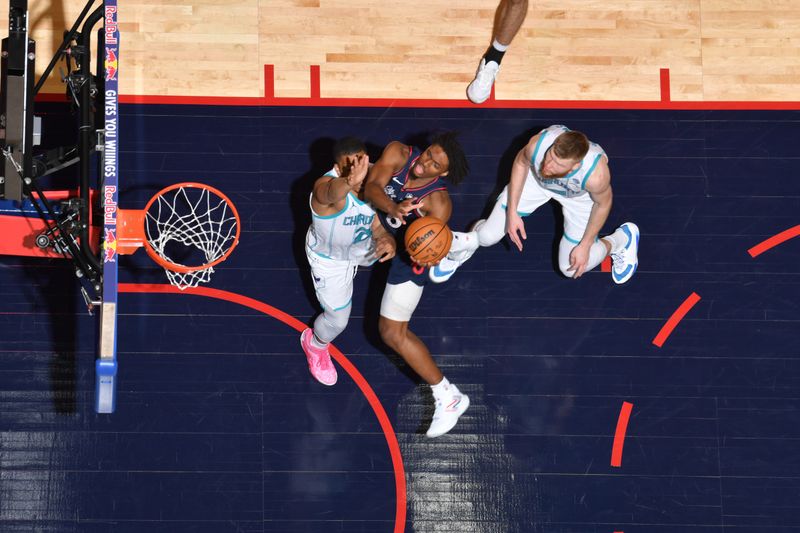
[[405, 184], [561, 165], [345, 233]]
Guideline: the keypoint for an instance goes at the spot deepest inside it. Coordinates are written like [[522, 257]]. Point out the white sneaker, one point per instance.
[[481, 87], [447, 266], [447, 412], [626, 260]]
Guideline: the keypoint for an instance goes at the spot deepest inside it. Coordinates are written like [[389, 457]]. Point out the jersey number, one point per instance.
[[393, 222]]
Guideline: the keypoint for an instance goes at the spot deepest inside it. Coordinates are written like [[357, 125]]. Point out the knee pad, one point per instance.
[[400, 301], [331, 323]]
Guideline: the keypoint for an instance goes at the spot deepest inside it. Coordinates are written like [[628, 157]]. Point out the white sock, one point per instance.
[[464, 241], [499, 47], [618, 240], [441, 389], [315, 342]]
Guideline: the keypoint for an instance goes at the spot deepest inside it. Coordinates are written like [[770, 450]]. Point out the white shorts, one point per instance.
[[400, 301], [333, 280], [576, 210]]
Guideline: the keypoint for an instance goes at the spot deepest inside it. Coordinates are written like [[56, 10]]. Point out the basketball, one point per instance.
[[428, 240]]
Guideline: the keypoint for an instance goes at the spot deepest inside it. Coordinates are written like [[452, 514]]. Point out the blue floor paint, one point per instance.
[[220, 427]]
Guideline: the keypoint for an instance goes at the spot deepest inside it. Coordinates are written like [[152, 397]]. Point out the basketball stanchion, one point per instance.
[[106, 363]]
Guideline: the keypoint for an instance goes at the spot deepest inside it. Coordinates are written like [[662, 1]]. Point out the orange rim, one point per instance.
[[183, 268]]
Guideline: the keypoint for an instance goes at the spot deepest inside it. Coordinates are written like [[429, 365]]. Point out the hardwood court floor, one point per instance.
[[715, 50], [220, 427]]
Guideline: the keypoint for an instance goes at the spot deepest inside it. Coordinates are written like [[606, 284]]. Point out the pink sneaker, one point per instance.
[[319, 360]]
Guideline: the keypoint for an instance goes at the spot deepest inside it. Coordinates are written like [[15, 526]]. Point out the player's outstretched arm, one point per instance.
[[599, 187], [438, 204], [394, 157], [515, 227], [331, 192]]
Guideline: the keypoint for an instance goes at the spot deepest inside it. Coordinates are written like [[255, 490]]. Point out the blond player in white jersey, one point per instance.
[[561, 165], [344, 234]]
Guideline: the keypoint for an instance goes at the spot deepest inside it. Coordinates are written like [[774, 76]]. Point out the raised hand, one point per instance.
[[355, 171], [402, 209]]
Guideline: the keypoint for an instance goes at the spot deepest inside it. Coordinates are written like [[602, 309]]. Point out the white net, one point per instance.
[[191, 228]]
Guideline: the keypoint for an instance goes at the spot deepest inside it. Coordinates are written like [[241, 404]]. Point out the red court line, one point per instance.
[[774, 241], [254, 101], [352, 371], [315, 83], [665, 85], [676, 317], [619, 435], [269, 81]]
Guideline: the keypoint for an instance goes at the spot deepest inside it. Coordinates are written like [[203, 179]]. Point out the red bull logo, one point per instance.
[[109, 205], [111, 24], [110, 246], [111, 64]]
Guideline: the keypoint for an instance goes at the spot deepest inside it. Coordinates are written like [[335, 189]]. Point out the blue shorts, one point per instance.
[[402, 270]]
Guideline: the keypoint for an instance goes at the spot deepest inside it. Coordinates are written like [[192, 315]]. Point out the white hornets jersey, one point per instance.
[[574, 183], [346, 235]]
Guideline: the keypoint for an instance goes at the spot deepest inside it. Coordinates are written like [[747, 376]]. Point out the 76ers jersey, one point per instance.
[[398, 190], [346, 235], [574, 183]]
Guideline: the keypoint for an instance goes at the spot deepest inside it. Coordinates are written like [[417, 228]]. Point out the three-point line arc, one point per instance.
[[676, 317], [774, 241]]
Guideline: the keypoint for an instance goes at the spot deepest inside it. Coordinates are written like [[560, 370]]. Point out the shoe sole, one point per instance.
[[477, 102], [636, 266], [440, 279]]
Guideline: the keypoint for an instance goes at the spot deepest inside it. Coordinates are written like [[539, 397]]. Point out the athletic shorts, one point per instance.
[[333, 280], [576, 210]]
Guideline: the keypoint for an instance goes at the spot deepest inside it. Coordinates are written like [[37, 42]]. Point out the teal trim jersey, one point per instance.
[[346, 235], [574, 183]]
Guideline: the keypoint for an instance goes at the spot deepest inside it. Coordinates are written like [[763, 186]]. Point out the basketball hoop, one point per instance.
[[186, 228]]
